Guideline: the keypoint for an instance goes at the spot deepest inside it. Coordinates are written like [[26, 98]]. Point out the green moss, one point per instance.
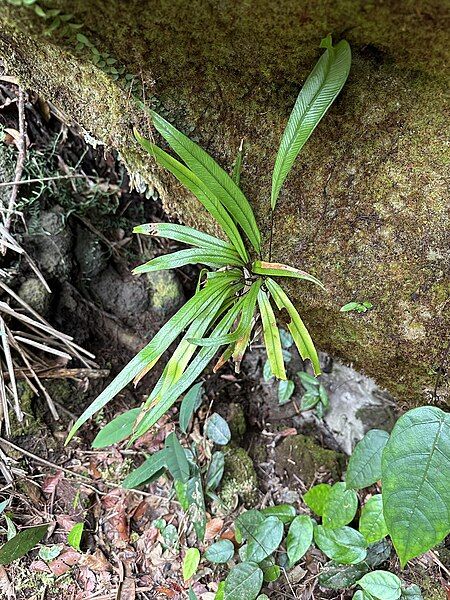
[[301, 456], [431, 589], [235, 418], [239, 478]]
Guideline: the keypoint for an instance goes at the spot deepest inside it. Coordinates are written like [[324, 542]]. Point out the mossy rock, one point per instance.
[[301, 456], [365, 208], [240, 479]]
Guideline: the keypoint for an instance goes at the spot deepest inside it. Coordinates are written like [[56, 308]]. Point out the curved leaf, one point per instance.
[[217, 430], [191, 256], [345, 545], [246, 524], [116, 430], [176, 460], [243, 582], [271, 336], [317, 497], [299, 538], [22, 543], [220, 552], [284, 512], [213, 176], [364, 466], [189, 405], [371, 523], [415, 472], [190, 563], [340, 507], [200, 191], [261, 267], [265, 539], [382, 585], [317, 94], [151, 467], [186, 235]]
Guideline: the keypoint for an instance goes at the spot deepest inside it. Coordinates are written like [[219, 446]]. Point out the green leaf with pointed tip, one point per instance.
[[316, 96], [116, 430], [364, 466], [189, 405], [299, 538], [191, 561], [279, 270], [382, 585], [215, 471], [74, 536], [298, 330], [285, 512], [415, 471], [265, 539], [154, 349], [285, 390], [200, 191], [246, 524], [191, 256], [186, 235], [151, 467], [176, 460], [345, 545], [22, 543], [371, 523], [271, 336], [340, 507], [317, 497], [196, 499], [220, 552], [213, 177], [244, 582]]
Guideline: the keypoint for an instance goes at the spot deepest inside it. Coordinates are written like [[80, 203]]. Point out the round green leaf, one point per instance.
[[265, 539], [243, 582], [364, 466], [272, 573], [217, 430], [190, 563], [285, 390], [345, 545], [299, 538], [284, 512], [340, 507], [246, 524], [415, 475], [220, 552], [371, 523], [382, 585], [317, 497]]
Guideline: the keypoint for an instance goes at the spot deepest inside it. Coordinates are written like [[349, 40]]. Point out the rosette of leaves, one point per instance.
[[240, 289]]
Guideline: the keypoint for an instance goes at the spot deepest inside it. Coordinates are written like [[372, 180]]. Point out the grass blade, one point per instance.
[[316, 96], [213, 176], [200, 191], [153, 350], [191, 256], [261, 267], [186, 235], [296, 327], [271, 336]]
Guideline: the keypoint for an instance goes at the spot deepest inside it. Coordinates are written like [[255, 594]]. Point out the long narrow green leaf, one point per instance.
[[200, 362], [153, 350], [213, 176], [261, 267], [316, 96], [151, 467], [191, 256], [271, 336], [247, 307], [186, 235], [298, 330], [200, 191]]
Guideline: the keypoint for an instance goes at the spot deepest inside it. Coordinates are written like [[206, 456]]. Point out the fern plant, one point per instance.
[[241, 288]]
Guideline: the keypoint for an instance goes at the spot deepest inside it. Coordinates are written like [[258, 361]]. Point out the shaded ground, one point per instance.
[[79, 232]]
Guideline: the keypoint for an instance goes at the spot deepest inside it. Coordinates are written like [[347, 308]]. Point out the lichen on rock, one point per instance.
[[240, 480]]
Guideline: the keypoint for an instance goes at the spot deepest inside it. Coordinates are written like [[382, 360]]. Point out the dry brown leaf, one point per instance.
[[128, 589], [96, 562], [65, 522], [51, 481], [39, 566], [64, 562], [213, 528]]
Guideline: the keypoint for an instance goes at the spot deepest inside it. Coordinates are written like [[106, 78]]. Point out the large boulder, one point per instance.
[[365, 208]]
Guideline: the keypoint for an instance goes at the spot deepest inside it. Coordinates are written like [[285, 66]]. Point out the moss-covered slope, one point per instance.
[[365, 208]]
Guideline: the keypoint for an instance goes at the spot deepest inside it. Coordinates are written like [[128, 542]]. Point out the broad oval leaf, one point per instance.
[[176, 460], [340, 507], [189, 405], [382, 585], [217, 430], [190, 563], [272, 573], [220, 552], [364, 466], [153, 466], [243, 582], [116, 430], [371, 523], [317, 497], [284, 512], [299, 538], [415, 473], [246, 524], [285, 390], [265, 539], [317, 94], [345, 546], [22, 543]]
